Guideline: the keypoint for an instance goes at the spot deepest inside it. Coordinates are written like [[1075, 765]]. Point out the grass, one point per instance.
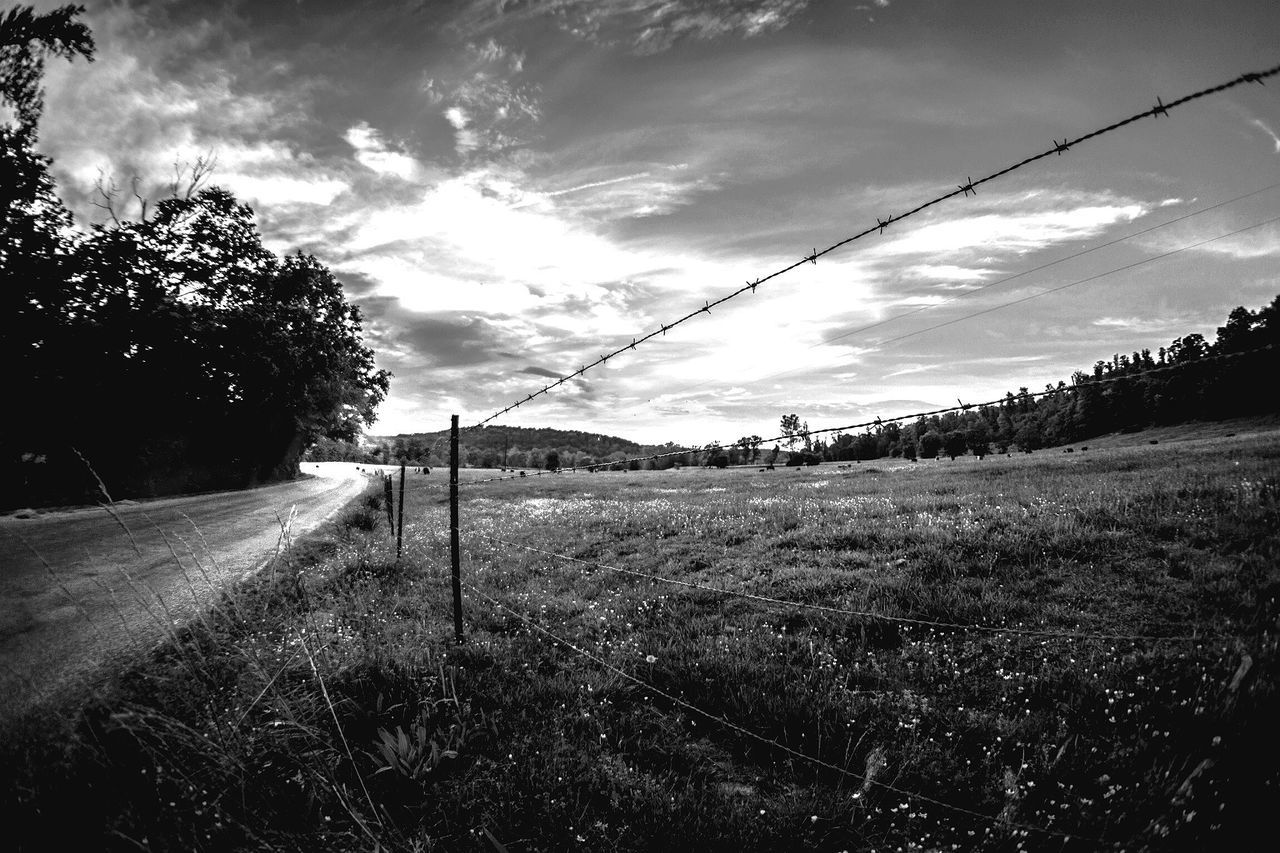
[[325, 706]]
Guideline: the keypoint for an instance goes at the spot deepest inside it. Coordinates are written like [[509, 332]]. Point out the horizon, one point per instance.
[[510, 193]]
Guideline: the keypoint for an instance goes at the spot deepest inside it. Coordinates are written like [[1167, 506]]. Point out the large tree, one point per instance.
[[171, 352]]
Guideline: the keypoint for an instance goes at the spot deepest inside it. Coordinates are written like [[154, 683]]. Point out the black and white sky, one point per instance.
[[509, 188]]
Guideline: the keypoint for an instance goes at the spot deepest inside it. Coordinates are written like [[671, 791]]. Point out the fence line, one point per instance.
[[877, 422], [841, 611], [745, 732], [969, 187]]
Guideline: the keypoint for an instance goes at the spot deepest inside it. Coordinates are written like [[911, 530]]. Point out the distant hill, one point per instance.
[[490, 447]]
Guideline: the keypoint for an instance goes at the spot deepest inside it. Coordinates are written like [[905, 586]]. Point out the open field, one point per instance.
[[1121, 690]]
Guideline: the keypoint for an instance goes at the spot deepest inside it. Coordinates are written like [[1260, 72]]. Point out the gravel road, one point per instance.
[[78, 593]]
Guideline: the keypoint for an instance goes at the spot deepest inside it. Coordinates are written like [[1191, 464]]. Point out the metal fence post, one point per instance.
[[453, 531], [400, 521]]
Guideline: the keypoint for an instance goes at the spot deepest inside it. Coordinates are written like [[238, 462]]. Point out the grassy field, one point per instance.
[[1101, 671]]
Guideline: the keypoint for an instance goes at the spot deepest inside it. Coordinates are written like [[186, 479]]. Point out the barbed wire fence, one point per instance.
[[866, 780], [878, 345], [862, 614], [1091, 382], [969, 187]]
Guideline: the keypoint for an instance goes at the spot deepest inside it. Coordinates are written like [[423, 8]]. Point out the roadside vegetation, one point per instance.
[[325, 705]]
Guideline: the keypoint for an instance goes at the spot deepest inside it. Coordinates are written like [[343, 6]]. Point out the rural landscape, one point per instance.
[[244, 610]]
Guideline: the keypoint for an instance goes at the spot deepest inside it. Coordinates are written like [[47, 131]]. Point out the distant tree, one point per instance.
[[790, 429], [552, 461], [1027, 436], [930, 444], [978, 438], [715, 455], [1235, 333], [750, 445], [955, 444], [1190, 348]]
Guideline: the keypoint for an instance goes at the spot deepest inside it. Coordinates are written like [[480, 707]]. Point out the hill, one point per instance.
[[489, 447]]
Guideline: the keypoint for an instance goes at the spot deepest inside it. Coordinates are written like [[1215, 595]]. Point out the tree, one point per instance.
[[978, 437], [211, 361], [790, 429], [930, 443], [552, 461], [26, 39], [956, 444]]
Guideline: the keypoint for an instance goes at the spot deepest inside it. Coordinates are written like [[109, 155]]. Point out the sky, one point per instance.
[[510, 188]]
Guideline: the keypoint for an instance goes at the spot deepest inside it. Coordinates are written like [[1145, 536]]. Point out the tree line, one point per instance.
[[1190, 379], [165, 352]]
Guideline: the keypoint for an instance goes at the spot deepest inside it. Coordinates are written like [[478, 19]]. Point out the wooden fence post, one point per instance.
[[453, 531], [390, 500], [400, 520]]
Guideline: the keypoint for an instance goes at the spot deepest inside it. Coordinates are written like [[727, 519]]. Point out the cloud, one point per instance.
[[1261, 125], [1260, 241], [1142, 325], [644, 27], [1019, 231], [491, 111], [123, 117], [373, 153], [592, 196]]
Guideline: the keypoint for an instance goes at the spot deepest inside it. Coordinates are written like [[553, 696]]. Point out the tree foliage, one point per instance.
[[170, 353], [1187, 380]]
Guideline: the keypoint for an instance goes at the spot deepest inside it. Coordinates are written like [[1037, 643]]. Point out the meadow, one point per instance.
[[1054, 651]]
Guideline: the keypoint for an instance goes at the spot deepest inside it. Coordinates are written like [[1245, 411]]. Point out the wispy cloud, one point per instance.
[[491, 110], [644, 27], [1265, 128]]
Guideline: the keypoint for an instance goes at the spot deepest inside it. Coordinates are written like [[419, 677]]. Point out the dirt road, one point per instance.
[[78, 592]]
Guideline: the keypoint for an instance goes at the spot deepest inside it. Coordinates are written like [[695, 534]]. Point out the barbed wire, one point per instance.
[[867, 781], [969, 187], [827, 341], [878, 421], [863, 614]]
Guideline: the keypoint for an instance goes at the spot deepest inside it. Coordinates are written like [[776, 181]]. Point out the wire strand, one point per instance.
[[745, 732], [877, 422], [962, 189], [827, 341], [841, 611]]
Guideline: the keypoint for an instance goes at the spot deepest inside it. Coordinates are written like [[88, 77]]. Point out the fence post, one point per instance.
[[400, 520], [453, 531], [390, 500]]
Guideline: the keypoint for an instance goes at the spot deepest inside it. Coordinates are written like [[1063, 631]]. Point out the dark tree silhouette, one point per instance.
[[174, 352]]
